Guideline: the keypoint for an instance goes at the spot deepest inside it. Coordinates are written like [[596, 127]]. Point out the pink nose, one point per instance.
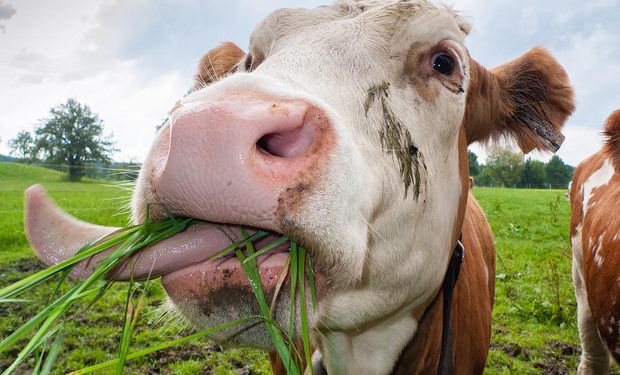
[[230, 159]]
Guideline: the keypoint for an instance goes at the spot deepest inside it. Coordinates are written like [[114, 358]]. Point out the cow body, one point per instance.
[[595, 240], [344, 128]]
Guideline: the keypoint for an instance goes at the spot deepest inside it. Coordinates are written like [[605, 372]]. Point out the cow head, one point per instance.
[[344, 128]]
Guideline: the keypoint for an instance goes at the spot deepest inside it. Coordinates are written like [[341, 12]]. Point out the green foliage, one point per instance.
[[534, 174], [534, 318], [505, 166], [474, 167], [72, 135], [22, 146], [558, 173]]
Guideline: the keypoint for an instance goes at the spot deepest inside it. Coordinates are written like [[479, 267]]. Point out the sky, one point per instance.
[[131, 60]]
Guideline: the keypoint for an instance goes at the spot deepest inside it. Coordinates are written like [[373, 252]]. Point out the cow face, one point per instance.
[[344, 128], [340, 129]]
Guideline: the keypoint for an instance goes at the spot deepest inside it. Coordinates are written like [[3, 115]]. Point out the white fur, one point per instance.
[[386, 253], [597, 179], [594, 357]]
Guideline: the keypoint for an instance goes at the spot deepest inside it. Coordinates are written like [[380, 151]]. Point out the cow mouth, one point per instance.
[[185, 261], [195, 278]]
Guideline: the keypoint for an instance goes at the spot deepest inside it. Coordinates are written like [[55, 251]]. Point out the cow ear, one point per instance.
[[528, 99], [217, 63], [612, 139]]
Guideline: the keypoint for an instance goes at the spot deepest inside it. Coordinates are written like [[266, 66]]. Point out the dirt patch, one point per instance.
[[513, 350], [22, 266], [550, 368], [28, 265]]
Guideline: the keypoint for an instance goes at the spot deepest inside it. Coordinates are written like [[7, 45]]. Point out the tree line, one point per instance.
[[506, 168], [71, 139]]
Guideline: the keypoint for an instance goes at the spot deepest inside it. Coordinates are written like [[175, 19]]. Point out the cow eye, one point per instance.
[[443, 63]]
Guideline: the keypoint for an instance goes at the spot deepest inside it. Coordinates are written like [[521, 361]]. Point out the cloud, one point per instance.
[[130, 60], [583, 37], [6, 12]]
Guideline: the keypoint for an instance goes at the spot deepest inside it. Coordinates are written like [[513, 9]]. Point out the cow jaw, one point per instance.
[[184, 261]]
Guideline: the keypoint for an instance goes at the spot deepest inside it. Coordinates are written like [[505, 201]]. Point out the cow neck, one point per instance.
[[445, 364]]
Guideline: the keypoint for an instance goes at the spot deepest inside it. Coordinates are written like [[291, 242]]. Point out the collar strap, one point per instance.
[[449, 282]]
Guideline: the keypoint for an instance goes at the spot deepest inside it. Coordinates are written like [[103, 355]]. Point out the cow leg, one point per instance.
[[594, 354]]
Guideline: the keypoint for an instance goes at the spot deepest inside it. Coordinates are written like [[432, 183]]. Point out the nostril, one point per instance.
[[288, 144]]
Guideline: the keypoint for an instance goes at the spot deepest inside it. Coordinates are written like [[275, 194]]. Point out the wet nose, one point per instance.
[[237, 154]]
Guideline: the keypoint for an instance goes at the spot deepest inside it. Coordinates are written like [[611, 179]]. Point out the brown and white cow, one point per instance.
[[595, 239], [344, 128]]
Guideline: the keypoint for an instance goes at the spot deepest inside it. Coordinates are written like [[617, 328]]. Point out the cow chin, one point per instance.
[[206, 308]]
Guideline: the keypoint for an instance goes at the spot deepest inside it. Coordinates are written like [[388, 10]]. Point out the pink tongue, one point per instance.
[[56, 236]]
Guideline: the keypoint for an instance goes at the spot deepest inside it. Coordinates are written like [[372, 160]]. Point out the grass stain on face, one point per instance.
[[396, 140]]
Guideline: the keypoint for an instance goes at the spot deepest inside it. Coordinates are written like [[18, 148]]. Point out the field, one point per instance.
[[534, 329]]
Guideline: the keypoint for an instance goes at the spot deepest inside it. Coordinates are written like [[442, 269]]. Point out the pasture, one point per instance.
[[534, 328]]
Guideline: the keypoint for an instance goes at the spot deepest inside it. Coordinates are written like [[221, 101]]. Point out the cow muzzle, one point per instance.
[[241, 161]]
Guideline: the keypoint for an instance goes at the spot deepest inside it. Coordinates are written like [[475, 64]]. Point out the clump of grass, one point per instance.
[[48, 323]]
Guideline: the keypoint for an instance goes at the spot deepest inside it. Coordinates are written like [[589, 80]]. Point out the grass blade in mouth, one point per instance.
[[301, 258], [54, 352], [294, 270], [311, 283], [251, 270], [126, 242], [87, 251], [130, 319], [265, 249]]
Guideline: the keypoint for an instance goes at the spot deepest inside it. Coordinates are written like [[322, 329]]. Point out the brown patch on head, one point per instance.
[[612, 141], [217, 63], [528, 99]]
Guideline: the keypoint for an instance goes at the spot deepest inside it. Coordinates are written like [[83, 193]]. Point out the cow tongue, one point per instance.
[[56, 236]]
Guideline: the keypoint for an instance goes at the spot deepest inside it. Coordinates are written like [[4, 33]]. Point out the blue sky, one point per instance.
[[131, 60]]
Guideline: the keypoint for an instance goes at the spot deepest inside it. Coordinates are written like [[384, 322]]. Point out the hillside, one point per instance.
[[14, 172]]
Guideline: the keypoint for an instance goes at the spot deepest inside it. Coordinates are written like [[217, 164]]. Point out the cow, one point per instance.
[[344, 128], [595, 241]]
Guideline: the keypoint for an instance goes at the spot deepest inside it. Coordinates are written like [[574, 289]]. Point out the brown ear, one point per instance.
[[612, 139], [528, 99], [217, 63]]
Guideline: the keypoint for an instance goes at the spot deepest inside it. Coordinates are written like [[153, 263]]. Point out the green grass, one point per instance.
[[534, 317], [534, 324]]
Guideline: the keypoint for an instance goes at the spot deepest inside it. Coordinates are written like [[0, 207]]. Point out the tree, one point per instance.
[[73, 134], [534, 174], [558, 173], [504, 166], [22, 146], [483, 179], [474, 167]]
